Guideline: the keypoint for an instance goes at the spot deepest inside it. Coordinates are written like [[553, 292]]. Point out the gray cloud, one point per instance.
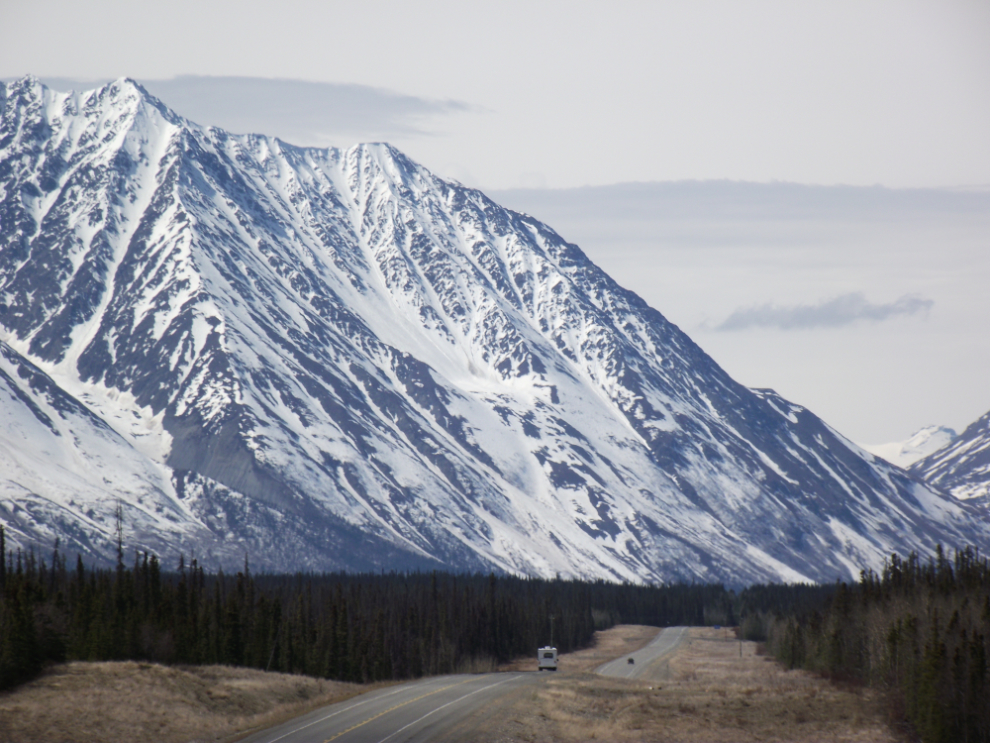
[[297, 111], [831, 313]]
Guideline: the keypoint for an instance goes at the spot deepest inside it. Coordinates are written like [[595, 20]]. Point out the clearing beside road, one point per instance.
[[714, 689]]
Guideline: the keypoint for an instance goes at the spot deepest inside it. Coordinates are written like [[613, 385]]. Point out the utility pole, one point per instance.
[[551, 630], [119, 516]]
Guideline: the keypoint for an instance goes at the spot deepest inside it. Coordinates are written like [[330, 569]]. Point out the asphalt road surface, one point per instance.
[[650, 661], [425, 710]]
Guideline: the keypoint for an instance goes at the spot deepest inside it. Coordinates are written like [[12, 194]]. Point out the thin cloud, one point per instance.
[[297, 111], [832, 313]]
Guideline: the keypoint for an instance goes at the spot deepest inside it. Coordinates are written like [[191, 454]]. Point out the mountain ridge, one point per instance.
[[962, 466]]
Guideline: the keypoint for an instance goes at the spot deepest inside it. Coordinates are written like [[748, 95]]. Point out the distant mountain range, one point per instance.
[[957, 464], [918, 446], [333, 359]]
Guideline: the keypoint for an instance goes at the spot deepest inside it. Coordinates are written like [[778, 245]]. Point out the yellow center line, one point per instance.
[[392, 709]]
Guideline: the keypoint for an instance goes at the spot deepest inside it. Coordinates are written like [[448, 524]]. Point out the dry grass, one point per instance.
[[147, 702], [707, 692]]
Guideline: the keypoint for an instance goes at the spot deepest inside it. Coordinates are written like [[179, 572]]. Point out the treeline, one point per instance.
[[919, 629], [338, 626]]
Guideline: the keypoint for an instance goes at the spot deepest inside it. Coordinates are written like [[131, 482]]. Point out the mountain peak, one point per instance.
[[336, 360], [918, 445]]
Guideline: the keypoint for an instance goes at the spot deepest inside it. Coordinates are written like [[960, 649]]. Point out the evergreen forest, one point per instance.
[[366, 627]]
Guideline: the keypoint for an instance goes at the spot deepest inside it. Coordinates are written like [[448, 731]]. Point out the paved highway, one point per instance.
[[649, 662], [441, 708], [425, 710]]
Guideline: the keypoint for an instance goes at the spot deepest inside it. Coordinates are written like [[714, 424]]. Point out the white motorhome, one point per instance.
[[548, 658]]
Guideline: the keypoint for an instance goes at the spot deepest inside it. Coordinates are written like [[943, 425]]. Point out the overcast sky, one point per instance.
[[867, 305], [870, 313]]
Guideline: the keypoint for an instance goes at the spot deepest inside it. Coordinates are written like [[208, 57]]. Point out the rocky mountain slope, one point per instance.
[[335, 359], [63, 470]]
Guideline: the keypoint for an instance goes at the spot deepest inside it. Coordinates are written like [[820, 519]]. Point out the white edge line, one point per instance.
[[339, 712], [454, 701]]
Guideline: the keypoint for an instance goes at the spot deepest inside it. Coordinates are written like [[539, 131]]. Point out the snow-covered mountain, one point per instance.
[[962, 467], [335, 359], [918, 446]]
